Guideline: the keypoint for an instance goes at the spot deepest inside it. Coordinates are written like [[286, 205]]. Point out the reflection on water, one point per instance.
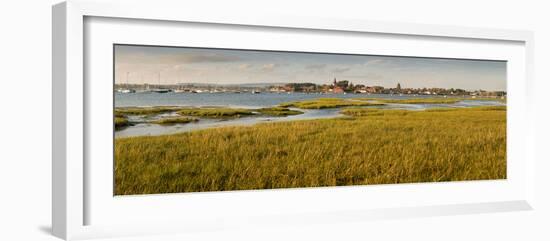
[[143, 129], [247, 101], [230, 99]]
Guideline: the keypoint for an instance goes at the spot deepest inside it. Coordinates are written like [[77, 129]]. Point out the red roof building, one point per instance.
[[338, 90]]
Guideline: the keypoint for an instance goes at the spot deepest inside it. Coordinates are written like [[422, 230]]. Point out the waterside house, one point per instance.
[[338, 90]]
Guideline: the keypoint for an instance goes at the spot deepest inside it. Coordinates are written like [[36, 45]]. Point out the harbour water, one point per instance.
[[249, 101]]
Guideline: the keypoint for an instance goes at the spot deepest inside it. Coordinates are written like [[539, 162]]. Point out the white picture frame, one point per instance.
[[71, 189]]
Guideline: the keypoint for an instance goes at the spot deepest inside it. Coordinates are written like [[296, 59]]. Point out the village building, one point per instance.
[[338, 90]]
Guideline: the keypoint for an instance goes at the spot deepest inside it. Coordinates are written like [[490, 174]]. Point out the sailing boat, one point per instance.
[[159, 90], [126, 90]]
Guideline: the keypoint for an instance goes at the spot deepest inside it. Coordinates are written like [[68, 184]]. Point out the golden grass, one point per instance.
[[121, 122], [278, 111], [325, 103], [174, 120], [418, 146], [424, 101], [503, 100], [215, 112], [145, 110], [362, 111], [430, 100], [414, 101]]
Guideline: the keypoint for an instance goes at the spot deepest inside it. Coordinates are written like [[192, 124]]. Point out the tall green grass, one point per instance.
[[392, 147]]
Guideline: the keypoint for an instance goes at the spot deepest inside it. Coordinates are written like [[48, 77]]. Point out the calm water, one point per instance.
[[230, 99], [248, 100]]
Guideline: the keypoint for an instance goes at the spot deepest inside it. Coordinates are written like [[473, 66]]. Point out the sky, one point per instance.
[[142, 64]]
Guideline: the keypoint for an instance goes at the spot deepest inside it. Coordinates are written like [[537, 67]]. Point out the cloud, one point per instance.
[[374, 62], [341, 69], [202, 58], [367, 76], [316, 66], [269, 67], [173, 58]]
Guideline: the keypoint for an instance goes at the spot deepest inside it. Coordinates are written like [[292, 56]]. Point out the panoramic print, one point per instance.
[[203, 119]]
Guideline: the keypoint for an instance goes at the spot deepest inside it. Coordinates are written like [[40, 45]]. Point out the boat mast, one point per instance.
[[159, 80], [127, 84]]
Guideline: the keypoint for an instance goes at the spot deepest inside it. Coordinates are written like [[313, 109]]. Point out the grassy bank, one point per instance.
[[437, 100], [121, 122], [174, 120], [502, 100], [362, 112], [389, 147], [414, 101], [144, 110], [192, 114], [278, 111], [325, 103], [215, 112], [424, 101]]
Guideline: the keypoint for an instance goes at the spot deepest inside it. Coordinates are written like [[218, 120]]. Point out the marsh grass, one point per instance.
[[325, 103], [174, 120], [414, 101], [424, 101], [502, 100], [278, 111], [391, 147], [215, 112], [361, 112], [489, 108], [187, 114], [121, 122], [435, 100], [147, 111]]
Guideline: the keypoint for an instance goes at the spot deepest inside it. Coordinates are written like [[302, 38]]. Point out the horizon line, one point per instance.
[[275, 83]]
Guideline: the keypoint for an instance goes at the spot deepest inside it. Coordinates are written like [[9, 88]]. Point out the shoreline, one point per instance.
[[145, 125]]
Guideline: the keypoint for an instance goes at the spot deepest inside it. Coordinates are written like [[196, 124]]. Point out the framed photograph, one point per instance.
[[177, 121]]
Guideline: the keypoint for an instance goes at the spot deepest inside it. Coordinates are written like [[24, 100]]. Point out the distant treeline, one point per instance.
[[341, 86]]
